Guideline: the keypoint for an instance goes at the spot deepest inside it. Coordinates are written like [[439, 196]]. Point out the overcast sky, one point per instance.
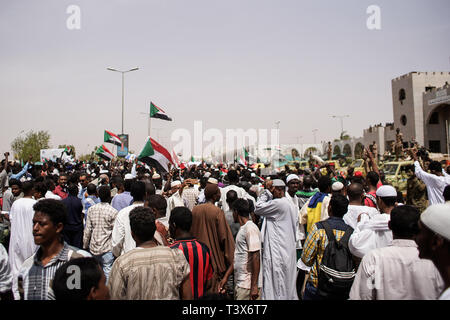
[[232, 64]]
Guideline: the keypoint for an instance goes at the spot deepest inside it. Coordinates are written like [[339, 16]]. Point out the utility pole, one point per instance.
[[123, 86], [342, 121], [314, 133]]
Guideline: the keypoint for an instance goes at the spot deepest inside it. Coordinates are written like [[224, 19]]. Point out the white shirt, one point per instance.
[[5, 272], [241, 194], [174, 201], [248, 239], [396, 273], [51, 195], [121, 239], [435, 184], [353, 212], [445, 295], [369, 234], [300, 234], [21, 244]]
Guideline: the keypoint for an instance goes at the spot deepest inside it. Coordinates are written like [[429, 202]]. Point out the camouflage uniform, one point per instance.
[[416, 193]]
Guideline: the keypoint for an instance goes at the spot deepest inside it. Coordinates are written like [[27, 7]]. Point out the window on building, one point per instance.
[[401, 95], [434, 119], [429, 88], [435, 146], [403, 120]]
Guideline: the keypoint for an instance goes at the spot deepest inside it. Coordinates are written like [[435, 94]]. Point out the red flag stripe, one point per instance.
[[159, 148]]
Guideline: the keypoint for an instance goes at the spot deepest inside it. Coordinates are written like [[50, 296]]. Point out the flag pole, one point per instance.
[[149, 124]]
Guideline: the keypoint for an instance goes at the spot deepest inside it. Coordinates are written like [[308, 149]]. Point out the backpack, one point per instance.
[[337, 270]]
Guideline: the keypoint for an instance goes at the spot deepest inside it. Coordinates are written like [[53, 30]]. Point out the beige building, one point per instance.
[[421, 110], [408, 103], [436, 116]]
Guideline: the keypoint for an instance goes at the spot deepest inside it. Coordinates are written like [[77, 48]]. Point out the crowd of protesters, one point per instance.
[[214, 231]]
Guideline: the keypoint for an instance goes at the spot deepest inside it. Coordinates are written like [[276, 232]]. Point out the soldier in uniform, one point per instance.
[[398, 145], [329, 150], [375, 151], [416, 191]]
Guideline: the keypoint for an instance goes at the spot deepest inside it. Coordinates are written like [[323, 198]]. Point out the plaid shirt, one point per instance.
[[317, 241], [98, 231], [191, 195]]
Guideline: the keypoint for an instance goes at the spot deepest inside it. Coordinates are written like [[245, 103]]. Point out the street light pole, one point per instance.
[[314, 133], [342, 120], [278, 132], [123, 87]]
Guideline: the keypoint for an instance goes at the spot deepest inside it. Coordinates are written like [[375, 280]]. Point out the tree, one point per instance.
[[312, 150], [68, 146], [31, 145], [344, 136], [90, 156], [295, 154]]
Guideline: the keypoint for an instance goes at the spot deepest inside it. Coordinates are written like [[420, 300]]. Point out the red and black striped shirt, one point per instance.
[[199, 258]]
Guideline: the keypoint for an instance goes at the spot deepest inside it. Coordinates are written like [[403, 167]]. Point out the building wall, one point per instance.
[[437, 100], [375, 134], [404, 107], [414, 84]]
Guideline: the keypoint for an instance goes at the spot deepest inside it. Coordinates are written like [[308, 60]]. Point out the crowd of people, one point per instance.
[[121, 230]]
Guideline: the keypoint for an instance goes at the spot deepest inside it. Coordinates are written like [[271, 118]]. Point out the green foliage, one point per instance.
[[31, 144], [313, 150], [90, 156], [344, 136]]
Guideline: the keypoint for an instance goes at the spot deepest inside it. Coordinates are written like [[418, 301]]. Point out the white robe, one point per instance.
[[21, 243], [369, 234], [279, 247], [241, 194]]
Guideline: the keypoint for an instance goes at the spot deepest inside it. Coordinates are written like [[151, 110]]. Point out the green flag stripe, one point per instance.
[[153, 109], [147, 151]]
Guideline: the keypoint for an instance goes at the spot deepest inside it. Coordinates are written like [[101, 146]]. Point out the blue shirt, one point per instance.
[[21, 173], [121, 200], [81, 193], [89, 202]]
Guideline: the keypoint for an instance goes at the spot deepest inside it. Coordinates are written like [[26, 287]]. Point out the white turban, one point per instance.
[[292, 177], [437, 218], [175, 183]]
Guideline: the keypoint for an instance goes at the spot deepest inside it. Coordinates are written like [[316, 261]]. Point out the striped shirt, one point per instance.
[[33, 281], [199, 259], [148, 274], [99, 226]]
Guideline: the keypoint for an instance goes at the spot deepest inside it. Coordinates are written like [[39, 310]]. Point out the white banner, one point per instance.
[[51, 154]]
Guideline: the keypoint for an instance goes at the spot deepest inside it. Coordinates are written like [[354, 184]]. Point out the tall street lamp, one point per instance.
[[123, 79], [342, 121], [314, 133]]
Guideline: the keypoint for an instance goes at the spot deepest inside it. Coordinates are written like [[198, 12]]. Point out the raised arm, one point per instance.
[[24, 170], [133, 169], [372, 161], [118, 237]]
